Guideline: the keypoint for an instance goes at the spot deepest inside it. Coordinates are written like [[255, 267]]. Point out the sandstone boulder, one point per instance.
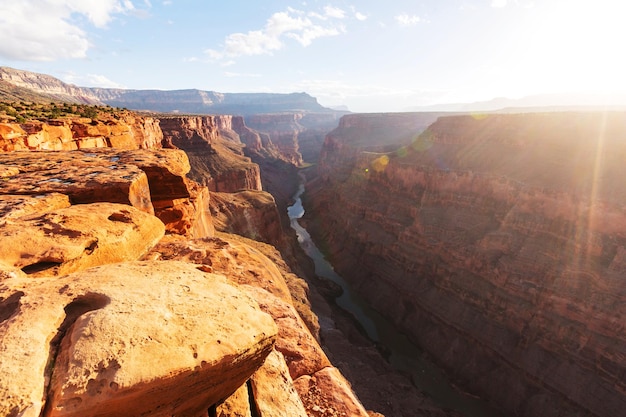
[[328, 394], [273, 391], [153, 181], [84, 177], [302, 353], [133, 339], [237, 405], [78, 237]]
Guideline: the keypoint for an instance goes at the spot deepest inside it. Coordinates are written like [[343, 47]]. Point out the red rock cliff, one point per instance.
[[126, 131], [497, 243], [217, 162]]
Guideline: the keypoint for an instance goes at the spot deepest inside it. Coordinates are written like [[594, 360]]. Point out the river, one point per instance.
[[402, 354]]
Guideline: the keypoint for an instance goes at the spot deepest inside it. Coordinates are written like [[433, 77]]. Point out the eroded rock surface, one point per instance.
[[78, 237], [497, 243], [153, 181], [144, 338], [125, 131]]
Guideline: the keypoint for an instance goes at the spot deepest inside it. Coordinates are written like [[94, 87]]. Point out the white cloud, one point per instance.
[[498, 3], [360, 16], [405, 19], [57, 35], [241, 75], [334, 12], [91, 80], [291, 24]]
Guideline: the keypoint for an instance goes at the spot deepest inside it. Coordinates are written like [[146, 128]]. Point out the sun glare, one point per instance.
[[574, 45]]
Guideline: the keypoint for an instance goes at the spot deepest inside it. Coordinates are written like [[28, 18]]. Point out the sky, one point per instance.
[[368, 55]]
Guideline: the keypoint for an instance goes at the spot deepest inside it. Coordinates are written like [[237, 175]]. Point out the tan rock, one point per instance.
[[142, 178], [303, 354], [327, 393], [237, 405], [78, 237], [15, 206], [189, 217], [249, 213], [84, 177], [273, 390], [142, 338], [298, 287], [238, 261]]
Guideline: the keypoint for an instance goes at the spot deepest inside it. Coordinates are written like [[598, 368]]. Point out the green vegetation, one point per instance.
[[23, 111]]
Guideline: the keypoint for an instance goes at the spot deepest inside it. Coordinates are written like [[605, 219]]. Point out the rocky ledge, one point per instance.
[[118, 298]]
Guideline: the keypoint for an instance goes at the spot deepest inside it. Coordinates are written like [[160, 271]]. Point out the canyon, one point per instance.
[[495, 242]]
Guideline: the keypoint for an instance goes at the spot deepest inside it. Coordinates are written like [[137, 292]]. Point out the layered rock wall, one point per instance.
[[216, 162], [496, 242], [128, 131]]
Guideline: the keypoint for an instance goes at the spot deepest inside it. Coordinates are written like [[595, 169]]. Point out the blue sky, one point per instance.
[[370, 55]]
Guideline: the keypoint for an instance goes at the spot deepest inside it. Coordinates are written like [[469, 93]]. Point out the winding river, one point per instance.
[[403, 355]]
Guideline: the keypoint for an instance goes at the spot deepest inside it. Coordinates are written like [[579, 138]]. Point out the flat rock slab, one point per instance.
[[78, 237], [133, 339], [15, 206], [240, 262], [133, 177], [85, 177]]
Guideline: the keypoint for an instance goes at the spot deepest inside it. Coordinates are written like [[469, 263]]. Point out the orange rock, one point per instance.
[[139, 178], [328, 394], [78, 237], [236, 405], [15, 206], [84, 177], [303, 354], [225, 255], [133, 339], [273, 391]]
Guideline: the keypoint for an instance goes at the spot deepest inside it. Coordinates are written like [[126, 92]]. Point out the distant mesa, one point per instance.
[[26, 85]]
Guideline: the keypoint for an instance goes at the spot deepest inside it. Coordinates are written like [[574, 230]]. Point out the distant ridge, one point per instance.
[[165, 101], [12, 93], [533, 103]]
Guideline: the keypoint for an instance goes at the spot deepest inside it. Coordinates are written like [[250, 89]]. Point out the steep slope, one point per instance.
[[496, 242], [11, 93]]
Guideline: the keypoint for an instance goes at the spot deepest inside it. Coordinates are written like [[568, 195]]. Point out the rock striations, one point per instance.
[[496, 242], [173, 101], [118, 298]]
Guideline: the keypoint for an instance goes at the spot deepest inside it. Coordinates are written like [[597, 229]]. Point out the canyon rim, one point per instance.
[[148, 267]]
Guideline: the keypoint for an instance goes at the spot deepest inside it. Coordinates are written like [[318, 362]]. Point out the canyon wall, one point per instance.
[[216, 162], [496, 242], [298, 136], [117, 296], [124, 131]]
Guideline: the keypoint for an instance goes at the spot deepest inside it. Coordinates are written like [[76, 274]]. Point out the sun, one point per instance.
[[574, 46]]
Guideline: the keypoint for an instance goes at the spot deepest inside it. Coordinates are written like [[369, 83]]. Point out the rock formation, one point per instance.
[[103, 315], [127, 131], [495, 242], [217, 162]]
